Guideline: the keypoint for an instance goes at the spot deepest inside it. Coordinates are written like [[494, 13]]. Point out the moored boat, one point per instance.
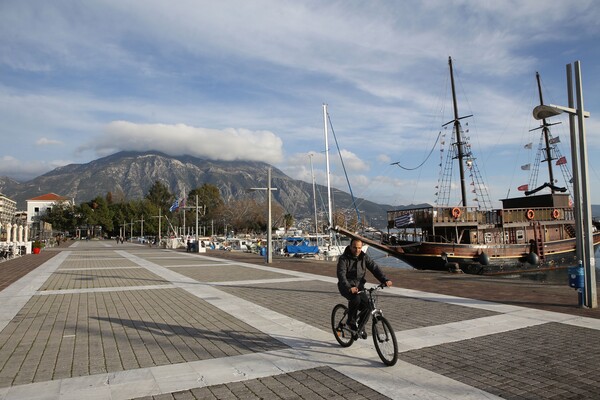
[[532, 233]]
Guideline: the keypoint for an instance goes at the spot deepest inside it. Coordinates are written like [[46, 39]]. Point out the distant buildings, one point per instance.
[[8, 209]]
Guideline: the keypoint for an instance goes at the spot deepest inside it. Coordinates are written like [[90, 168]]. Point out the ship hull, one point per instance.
[[488, 260]]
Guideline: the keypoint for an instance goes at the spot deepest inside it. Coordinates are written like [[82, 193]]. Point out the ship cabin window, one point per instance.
[[520, 235], [488, 237]]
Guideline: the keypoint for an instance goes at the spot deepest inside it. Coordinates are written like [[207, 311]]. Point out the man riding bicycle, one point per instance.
[[351, 269]]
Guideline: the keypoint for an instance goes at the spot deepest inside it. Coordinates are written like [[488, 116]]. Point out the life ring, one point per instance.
[[555, 214], [530, 214], [456, 212]]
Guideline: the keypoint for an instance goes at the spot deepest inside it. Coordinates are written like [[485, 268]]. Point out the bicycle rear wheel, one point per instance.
[[342, 334], [385, 340]]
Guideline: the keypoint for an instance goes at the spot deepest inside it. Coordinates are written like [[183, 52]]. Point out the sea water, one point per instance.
[[552, 277], [385, 260]]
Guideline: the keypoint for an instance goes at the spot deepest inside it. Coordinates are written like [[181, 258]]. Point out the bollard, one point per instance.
[[577, 281]]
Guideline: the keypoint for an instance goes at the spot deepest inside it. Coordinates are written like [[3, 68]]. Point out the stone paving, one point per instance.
[[100, 320]]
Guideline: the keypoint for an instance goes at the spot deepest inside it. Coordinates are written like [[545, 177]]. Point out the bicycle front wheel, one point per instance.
[[342, 334], [385, 340]]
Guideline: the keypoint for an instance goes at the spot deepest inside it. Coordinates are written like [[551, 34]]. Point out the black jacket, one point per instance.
[[351, 271]]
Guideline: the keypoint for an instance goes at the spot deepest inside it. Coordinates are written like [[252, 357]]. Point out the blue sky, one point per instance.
[[247, 79]]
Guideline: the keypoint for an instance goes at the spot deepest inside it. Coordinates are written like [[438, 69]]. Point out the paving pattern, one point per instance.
[[100, 320]]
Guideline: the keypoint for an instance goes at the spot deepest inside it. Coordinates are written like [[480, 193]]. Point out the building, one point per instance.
[[8, 208], [38, 206]]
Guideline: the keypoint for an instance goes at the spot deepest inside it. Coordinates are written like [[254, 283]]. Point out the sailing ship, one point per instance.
[[532, 233]]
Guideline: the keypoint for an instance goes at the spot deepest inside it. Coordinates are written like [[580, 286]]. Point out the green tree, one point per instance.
[[288, 220], [210, 204], [160, 196], [61, 216]]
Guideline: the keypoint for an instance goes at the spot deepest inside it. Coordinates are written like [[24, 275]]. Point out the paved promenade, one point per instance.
[[101, 320]]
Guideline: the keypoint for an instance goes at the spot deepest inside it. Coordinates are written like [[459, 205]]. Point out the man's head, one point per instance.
[[356, 247]]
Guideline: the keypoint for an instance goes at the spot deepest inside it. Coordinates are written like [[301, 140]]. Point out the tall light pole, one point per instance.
[[159, 216], [269, 227], [142, 226], [583, 209]]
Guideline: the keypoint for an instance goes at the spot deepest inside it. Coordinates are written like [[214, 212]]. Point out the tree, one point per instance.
[[160, 196], [210, 203], [288, 220], [61, 216]]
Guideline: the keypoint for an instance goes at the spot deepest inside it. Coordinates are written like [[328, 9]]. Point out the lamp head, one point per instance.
[[543, 112]]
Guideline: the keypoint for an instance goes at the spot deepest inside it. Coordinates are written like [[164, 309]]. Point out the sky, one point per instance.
[[247, 80]]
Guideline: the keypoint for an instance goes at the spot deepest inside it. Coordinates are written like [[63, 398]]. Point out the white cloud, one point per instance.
[[45, 142], [227, 144], [23, 170]]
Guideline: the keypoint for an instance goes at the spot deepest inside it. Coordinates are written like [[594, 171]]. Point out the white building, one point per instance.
[[40, 205]]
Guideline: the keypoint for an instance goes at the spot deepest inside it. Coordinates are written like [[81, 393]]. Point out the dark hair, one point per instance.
[[354, 240]]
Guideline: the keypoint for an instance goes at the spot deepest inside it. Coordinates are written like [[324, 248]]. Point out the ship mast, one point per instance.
[[330, 218], [459, 143], [546, 132]]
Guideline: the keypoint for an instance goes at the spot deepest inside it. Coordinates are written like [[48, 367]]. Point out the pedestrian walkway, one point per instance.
[[102, 320]]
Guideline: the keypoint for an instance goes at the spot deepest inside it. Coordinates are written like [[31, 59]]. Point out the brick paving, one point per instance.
[[542, 295], [127, 321]]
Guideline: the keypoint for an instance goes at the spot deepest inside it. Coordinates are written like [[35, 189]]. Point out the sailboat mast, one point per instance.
[[312, 173], [459, 143], [330, 218], [546, 132]]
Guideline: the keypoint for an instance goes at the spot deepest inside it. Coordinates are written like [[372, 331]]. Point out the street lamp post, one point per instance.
[[269, 228], [581, 190]]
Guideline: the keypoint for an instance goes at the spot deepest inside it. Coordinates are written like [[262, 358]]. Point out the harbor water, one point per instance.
[[551, 277]]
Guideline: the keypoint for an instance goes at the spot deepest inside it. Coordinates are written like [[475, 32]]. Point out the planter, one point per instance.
[[36, 250]]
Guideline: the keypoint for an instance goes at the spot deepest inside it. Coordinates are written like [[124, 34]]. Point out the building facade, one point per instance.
[[8, 208], [38, 206]]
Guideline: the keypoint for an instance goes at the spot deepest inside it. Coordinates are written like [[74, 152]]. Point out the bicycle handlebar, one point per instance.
[[373, 288]]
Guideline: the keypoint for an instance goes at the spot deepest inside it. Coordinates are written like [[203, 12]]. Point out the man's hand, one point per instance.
[[354, 290]]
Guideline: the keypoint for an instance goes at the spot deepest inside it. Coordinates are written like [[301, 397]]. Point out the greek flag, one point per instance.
[[554, 140], [403, 220], [174, 206]]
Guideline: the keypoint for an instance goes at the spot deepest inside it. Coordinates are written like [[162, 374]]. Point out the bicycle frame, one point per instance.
[[383, 334], [372, 304]]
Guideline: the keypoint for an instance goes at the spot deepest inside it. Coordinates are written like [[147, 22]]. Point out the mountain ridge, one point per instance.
[[129, 175]]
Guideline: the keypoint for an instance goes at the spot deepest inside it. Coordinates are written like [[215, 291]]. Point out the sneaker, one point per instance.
[[352, 327], [363, 334]]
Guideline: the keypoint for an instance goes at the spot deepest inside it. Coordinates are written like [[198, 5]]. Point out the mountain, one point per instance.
[[129, 175]]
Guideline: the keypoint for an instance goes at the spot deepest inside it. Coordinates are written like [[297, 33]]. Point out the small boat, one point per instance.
[[532, 233], [299, 247]]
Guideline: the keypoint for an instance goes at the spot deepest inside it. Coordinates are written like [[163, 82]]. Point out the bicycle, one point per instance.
[[383, 334]]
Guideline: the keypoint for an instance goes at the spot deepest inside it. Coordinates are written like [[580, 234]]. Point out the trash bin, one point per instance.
[[576, 279]]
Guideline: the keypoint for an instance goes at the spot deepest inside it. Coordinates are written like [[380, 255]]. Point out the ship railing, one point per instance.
[[528, 215], [428, 216]]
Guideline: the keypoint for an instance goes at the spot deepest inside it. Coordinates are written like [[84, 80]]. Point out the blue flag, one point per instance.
[[174, 206]]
